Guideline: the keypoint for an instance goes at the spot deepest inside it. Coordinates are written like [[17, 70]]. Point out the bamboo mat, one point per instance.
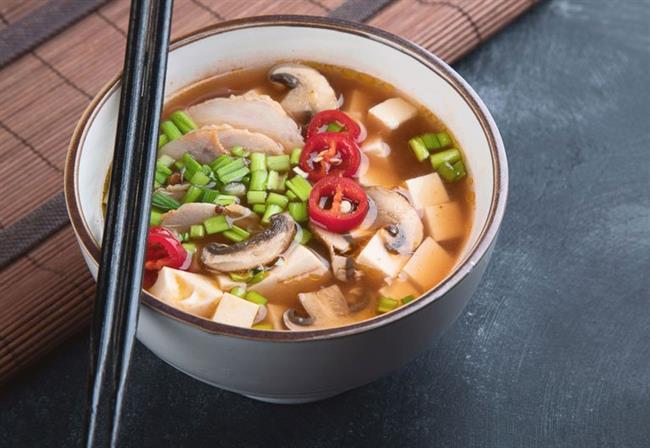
[[45, 290]]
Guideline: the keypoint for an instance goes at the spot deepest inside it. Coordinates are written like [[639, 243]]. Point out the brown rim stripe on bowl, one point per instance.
[[488, 233]]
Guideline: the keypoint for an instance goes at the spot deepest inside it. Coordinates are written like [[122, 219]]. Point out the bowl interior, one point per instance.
[[210, 53]]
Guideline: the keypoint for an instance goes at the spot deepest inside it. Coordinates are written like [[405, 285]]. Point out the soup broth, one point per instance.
[[338, 276]]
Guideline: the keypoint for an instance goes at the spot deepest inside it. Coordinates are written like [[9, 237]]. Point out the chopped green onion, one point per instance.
[[219, 162], [170, 130], [246, 180], [160, 177], [209, 196], [333, 127], [236, 234], [193, 194], [239, 277], [164, 202], [225, 199], [189, 247], [258, 180], [183, 121], [300, 186], [197, 231], [191, 166], [273, 180], [263, 326], [298, 210], [155, 218], [232, 165], [258, 277], [238, 291], [386, 304], [449, 155], [239, 151], [216, 224], [256, 297], [234, 188], [256, 197], [156, 184], [278, 163], [277, 199], [291, 195], [163, 169], [184, 237], [407, 299], [444, 139], [418, 148], [162, 140], [295, 156], [305, 236], [200, 179], [430, 140], [165, 160], [259, 208], [258, 161], [234, 176], [271, 209], [459, 168]]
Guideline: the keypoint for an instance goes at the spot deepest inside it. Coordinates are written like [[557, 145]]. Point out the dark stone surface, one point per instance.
[[554, 349]]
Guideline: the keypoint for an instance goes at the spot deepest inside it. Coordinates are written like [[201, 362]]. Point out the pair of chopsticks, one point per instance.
[[119, 283]]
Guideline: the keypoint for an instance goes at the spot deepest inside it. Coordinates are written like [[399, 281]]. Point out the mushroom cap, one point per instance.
[[310, 91], [259, 250]]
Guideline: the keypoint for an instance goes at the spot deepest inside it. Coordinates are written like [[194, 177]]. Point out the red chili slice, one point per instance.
[[321, 120], [330, 153], [163, 249], [335, 190]]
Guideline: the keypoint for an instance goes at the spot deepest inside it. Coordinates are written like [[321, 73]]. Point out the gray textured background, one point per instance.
[[554, 349]]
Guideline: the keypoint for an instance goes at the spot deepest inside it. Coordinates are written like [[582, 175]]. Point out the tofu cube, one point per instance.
[[427, 190], [376, 146], [392, 112], [429, 264], [236, 311], [194, 293], [399, 288], [375, 257], [444, 221]]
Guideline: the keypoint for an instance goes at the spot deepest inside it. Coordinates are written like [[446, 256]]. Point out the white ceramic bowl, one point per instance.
[[288, 367]]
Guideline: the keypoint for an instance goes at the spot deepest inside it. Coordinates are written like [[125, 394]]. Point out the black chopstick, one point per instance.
[[119, 282]]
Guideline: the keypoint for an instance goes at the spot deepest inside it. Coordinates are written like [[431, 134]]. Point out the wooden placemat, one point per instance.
[[46, 290]]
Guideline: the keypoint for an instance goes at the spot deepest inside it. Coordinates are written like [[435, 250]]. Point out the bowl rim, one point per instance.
[[481, 247]]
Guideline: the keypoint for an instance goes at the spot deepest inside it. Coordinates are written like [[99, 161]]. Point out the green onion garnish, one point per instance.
[[273, 180], [239, 151], [449, 155], [155, 218], [164, 202], [291, 195], [444, 139], [256, 197], [418, 148], [407, 299], [334, 127], [209, 196], [216, 224], [183, 121], [305, 236], [234, 176], [162, 140], [430, 140], [197, 231], [238, 291], [277, 199], [160, 177], [165, 160], [189, 247], [258, 180], [451, 173], [258, 277], [298, 210], [225, 199], [258, 161], [241, 277], [459, 168], [295, 156], [236, 234], [271, 209], [191, 166], [193, 194], [259, 208], [256, 297], [300, 186], [386, 304], [219, 162], [263, 326], [278, 163], [170, 130], [200, 179]]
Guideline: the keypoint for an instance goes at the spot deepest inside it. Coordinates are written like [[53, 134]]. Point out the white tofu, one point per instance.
[[301, 271], [194, 293], [399, 288], [444, 221], [375, 257], [233, 310], [427, 190], [392, 112], [376, 146], [429, 264]]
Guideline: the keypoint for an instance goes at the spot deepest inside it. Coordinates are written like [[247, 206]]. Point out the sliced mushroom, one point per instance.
[[260, 250], [339, 246], [257, 113], [203, 144], [399, 223], [188, 214], [325, 308], [310, 91]]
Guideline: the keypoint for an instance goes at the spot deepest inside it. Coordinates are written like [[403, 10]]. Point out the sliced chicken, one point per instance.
[[254, 141], [203, 144], [189, 214], [310, 91], [257, 113]]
